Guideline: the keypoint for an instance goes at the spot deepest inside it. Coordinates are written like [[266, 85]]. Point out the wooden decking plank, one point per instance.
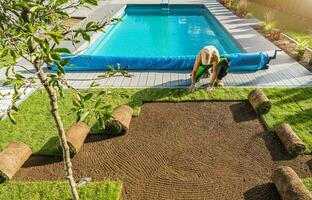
[[151, 79], [174, 80], [126, 81], [158, 79], [166, 79], [143, 79], [118, 81], [135, 79]]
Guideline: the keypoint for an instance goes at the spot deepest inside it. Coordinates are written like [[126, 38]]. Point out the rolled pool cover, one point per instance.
[[289, 185], [76, 136], [293, 144], [259, 101], [12, 158], [83, 62], [120, 120]]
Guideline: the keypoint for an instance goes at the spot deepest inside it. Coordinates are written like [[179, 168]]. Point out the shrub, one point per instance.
[[301, 45], [229, 4], [262, 25], [269, 27], [300, 48], [249, 15]]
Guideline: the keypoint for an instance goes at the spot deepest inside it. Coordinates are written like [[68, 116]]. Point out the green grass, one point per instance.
[[295, 27], [308, 183], [35, 126], [60, 190]]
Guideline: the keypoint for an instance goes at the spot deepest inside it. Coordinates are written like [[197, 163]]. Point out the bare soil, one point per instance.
[[202, 150]]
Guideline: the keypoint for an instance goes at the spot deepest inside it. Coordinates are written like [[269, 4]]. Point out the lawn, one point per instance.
[[35, 126], [296, 28], [60, 190], [308, 183]]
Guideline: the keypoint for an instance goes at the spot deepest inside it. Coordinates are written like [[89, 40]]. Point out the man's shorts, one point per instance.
[[202, 69]]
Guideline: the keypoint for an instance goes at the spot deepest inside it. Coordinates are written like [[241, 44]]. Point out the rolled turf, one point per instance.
[[76, 136], [293, 144], [12, 158], [259, 101], [120, 121], [289, 185]]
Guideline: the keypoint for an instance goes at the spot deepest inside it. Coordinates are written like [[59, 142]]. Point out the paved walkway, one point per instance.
[[284, 71]]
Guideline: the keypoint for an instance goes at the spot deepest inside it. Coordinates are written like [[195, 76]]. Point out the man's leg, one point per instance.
[[222, 73], [200, 72]]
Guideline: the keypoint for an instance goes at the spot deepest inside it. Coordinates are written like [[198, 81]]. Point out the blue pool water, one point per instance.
[[148, 31], [152, 38]]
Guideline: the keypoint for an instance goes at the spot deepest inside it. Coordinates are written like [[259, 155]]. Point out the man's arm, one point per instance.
[[195, 67], [214, 73]]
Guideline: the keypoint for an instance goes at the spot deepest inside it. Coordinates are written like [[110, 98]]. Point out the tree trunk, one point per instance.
[[60, 128]]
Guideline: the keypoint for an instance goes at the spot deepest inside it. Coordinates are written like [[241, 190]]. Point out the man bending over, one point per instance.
[[207, 58]]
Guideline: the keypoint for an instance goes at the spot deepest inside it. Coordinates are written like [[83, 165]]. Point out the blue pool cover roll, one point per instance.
[[238, 62]]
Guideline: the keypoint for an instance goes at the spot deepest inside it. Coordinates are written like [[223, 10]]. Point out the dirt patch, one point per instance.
[[203, 150]]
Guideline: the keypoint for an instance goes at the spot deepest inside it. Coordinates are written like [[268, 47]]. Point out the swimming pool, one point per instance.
[[153, 37]]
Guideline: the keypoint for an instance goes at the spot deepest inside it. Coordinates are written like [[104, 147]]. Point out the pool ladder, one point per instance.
[[165, 6]]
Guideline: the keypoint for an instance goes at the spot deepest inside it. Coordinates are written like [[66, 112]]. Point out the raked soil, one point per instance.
[[190, 150]]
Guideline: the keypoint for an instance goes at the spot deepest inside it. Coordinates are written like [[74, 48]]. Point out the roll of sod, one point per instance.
[[293, 144], [12, 158], [76, 135], [259, 101], [289, 185], [120, 121]]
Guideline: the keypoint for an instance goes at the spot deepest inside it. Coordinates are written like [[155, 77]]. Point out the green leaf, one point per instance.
[[8, 71], [35, 8], [94, 84], [84, 116], [64, 61], [6, 83], [90, 24], [79, 97], [86, 36], [76, 103], [4, 53], [56, 57], [19, 76], [60, 68], [31, 28], [62, 50], [13, 54], [98, 103], [88, 96], [91, 2]]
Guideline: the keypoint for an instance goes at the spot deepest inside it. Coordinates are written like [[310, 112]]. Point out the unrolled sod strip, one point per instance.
[[293, 144], [12, 158], [120, 121], [259, 101], [289, 185], [76, 136]]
